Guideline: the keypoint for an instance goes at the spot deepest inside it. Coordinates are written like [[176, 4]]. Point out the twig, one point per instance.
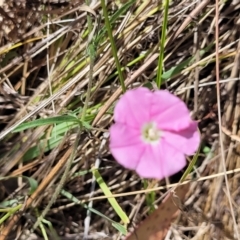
[[90, 204], [219, 116]]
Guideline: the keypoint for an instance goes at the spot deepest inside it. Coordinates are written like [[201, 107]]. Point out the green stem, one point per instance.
[[113, 45], [91, 52], [162, 44]]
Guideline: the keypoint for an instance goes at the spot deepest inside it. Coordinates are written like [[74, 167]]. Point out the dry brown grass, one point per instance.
[[26, 95]]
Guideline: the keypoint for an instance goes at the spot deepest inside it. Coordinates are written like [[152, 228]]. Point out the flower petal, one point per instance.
[[128, 156], [185, 141], [132, 108], [160, 161], [169, 112], [126, 145], [180, 135], [121, 135]]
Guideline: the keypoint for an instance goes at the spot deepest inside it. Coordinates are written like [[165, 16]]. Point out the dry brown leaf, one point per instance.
[[157, 224]]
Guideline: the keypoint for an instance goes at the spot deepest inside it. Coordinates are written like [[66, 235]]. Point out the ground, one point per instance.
[[59, 83]]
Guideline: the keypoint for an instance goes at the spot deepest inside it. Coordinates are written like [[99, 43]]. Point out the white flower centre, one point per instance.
[[150, 133]]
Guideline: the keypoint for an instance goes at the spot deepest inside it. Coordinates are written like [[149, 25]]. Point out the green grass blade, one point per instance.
[[112, 201], [121, 11], [162, 43], [191, 165], [118, 226], [10, 211]]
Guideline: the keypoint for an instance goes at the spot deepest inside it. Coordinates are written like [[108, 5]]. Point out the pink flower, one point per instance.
[[152, 133]]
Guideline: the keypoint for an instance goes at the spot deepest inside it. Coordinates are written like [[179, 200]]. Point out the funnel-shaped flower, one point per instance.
[[152, 133]]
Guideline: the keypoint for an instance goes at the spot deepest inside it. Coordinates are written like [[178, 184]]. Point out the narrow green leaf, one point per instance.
[[86, 125], [191, 164], [46, 121], [175, 70], [118, 226], [62, 128], [9, 203], [43, 146], [121, 11], [33, 184], [10, 211], [111, 200]]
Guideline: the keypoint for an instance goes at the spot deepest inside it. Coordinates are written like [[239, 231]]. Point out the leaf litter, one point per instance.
[[205, 213]]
